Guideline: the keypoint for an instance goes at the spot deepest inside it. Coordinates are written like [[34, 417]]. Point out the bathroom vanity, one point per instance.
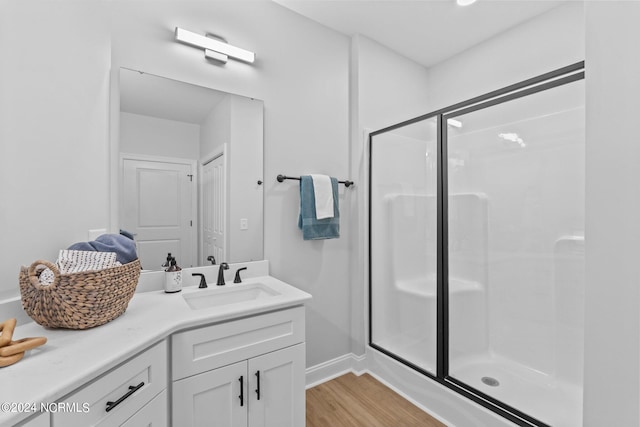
[[235, 354]]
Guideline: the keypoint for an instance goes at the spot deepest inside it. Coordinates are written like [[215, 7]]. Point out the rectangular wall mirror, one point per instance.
[[189, 167]]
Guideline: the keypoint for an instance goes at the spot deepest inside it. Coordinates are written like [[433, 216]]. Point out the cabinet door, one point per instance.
[[277, 388], [216, 398]]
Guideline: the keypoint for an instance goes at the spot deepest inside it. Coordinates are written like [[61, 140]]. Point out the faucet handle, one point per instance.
[[203, 281], [237, 278]]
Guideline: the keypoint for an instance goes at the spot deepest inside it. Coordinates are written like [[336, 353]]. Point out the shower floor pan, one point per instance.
[[552, 401], [541, 396]]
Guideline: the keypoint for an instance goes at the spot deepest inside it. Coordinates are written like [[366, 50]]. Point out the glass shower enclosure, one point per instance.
[[476, 225]]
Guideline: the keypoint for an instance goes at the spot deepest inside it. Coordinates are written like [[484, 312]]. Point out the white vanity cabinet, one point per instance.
[[247, 372], [137, 388]]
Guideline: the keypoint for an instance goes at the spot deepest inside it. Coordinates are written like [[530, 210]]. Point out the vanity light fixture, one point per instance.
[[465, 2], [214, 49]]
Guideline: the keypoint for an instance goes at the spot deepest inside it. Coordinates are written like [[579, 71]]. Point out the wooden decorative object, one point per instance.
[[7, 328], [12, 351], [10, 360], [20, 346]]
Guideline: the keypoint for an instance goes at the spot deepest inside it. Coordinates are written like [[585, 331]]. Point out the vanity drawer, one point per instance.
[[210, 347], [153, 414], [132, 384]]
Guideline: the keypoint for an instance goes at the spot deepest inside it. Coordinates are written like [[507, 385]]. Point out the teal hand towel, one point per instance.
[[312, 227]]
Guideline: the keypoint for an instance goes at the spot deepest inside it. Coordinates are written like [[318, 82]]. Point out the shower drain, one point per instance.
[[490, 381]]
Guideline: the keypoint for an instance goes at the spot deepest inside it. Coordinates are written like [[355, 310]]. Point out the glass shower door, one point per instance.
[[515, 217], [402, 231]]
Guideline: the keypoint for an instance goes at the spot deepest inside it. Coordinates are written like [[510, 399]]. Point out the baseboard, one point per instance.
[[331, 369]]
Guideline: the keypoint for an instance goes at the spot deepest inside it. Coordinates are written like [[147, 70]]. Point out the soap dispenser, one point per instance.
[[167, 263], [173, 277]]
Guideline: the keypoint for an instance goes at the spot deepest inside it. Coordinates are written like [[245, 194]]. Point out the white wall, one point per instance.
[[159, 137], [215, 130], [612, 349], [305, 95], [547, 42], [54, 129], [386, 88], [246, 168], [239, 122]]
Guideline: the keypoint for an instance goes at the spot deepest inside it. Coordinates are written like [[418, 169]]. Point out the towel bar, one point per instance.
[[281, 178]]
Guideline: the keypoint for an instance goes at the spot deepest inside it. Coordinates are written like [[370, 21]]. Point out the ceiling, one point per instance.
[[149, 95], [426, 31]]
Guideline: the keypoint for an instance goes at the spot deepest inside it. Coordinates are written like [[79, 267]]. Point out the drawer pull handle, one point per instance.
[[132, 389], [258, 389], [241, 379]]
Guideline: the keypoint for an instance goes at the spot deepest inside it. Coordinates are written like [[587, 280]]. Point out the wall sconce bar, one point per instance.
[[214, 49]]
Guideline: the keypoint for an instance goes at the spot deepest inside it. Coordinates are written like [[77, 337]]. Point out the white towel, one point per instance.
[[72, 261], [324, 196]]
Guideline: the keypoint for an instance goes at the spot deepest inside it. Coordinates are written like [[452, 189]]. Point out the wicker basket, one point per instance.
[[77, 300]]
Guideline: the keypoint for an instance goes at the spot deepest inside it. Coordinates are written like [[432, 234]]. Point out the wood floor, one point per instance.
[[352, 401]]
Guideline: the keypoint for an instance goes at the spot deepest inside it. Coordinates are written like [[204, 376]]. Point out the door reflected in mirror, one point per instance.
[[190, 171]]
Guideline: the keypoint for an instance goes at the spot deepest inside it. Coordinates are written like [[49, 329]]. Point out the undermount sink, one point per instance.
[[227, 295]]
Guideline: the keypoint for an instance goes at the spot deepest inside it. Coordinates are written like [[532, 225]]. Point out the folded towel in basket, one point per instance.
[[312, 227], [72, 261], [109, 250]]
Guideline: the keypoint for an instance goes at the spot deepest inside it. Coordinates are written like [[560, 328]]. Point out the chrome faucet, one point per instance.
[[223, 266]]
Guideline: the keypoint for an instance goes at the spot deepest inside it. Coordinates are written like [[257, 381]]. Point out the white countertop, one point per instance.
[[70, 358]]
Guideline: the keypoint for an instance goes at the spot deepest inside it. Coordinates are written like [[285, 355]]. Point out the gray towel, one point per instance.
[[124, 247]]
